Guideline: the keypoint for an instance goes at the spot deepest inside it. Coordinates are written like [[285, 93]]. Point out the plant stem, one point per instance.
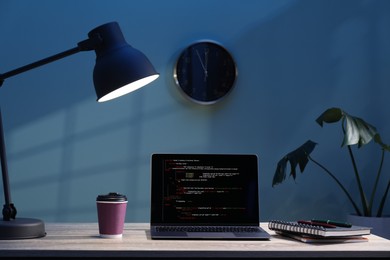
[[376, 183], [359, 183], [382, 204], [339, 183]]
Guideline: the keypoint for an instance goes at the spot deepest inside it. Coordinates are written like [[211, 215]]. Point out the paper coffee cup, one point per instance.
[[111, 211]]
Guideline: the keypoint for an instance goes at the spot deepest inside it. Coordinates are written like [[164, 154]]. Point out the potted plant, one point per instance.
[[356, 132]]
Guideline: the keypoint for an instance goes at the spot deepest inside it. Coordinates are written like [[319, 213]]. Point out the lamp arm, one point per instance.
[[37, 64], [86, 45]]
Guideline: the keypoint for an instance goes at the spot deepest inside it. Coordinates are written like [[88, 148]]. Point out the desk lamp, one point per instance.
[[119, 69]]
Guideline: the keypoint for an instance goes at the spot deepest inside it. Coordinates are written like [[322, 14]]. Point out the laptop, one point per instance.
[[205, 196]]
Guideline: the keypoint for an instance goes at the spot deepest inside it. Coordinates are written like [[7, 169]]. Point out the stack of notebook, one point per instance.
[[320, 231]]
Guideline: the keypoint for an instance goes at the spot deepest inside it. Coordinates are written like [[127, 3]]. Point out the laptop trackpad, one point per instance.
[[210, 235]]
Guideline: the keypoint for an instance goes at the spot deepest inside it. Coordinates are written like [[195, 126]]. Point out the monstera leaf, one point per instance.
[[297, 157], [356, 130]]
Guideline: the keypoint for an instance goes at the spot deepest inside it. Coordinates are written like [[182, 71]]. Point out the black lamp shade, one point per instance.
[[119, 68]]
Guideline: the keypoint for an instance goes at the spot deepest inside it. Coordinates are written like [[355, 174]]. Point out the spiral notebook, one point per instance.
[[205, 196], [318, 229]]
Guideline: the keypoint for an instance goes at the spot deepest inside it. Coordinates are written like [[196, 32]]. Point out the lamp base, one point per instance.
[[21, 228]]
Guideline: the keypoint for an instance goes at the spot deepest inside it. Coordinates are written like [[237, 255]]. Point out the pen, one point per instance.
[[315, 223], [335, 223]]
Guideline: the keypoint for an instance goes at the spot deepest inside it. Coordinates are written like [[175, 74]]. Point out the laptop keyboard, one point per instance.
[[206, 229]]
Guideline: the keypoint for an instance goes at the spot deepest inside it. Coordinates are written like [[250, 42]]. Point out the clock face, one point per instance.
[[205, 72]]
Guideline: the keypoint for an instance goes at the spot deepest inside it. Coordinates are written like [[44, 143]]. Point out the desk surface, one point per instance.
[[81, 239]]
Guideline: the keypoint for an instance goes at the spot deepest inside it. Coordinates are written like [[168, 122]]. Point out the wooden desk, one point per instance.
[[81, 239]]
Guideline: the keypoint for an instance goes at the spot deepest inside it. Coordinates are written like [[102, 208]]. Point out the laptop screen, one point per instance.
[[204, 189]]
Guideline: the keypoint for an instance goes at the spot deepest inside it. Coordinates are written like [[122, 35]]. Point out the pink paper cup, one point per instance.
[[111, 211]]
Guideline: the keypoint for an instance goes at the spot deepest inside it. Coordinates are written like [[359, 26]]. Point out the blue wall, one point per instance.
[[294, 58]]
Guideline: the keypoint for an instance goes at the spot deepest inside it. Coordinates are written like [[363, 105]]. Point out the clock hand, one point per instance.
[[203, 66], [206, 58]]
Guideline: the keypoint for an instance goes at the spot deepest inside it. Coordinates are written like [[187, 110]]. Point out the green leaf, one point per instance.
[[297, 157], [331, 115], [377, 139], [357, 131]]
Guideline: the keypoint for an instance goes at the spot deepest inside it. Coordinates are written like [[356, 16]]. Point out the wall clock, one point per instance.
[[205, 72]]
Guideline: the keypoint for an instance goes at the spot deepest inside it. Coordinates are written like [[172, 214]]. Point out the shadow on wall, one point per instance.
[[292, 65]]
